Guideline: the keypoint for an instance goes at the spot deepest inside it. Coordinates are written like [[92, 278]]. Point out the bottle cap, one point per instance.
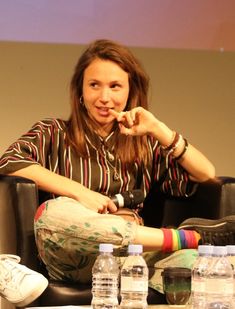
[[230, 249], [205, 249], [135, 249], [106, 248], [219, 250]]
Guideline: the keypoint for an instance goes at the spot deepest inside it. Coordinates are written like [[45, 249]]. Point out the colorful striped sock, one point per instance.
[[179, 239]]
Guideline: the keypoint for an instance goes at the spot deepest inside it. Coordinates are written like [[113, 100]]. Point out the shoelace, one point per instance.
[[12, 275]]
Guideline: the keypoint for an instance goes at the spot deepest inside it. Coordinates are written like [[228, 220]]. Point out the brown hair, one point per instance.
[[127, 148]]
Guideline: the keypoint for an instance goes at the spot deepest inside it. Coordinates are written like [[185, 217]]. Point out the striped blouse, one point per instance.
[[45, 144]]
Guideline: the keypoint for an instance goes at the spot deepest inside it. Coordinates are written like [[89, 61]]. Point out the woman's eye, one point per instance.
[[115, 86], [93, 85]]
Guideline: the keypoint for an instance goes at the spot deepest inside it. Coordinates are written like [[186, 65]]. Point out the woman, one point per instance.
[[110, 144]]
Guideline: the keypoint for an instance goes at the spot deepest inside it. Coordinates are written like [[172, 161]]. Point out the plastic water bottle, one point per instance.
[[231, 258], [219, 281], [105, 277], [198, 278], [134, 279]]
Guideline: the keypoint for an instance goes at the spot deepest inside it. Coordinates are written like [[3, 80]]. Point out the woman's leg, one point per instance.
[[68, 235]]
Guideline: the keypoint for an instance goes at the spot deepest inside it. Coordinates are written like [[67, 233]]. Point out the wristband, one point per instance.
[[173, 143], [183, 151]]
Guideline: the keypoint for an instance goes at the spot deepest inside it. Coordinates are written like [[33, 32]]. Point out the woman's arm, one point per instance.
[[193, 161], [139, 121], [63, 186]]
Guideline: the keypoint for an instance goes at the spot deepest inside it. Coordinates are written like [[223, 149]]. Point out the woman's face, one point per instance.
[[105, 87]]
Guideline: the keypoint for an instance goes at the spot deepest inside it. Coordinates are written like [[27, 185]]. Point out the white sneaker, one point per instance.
[[19, 284]]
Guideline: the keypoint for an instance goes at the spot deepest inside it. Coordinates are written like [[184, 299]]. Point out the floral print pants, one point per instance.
[[68, 236]]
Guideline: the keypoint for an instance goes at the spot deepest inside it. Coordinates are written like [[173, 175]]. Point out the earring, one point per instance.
[[81, 101]]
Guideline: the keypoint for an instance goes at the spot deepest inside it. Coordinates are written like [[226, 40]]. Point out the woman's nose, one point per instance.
[[104, 95]]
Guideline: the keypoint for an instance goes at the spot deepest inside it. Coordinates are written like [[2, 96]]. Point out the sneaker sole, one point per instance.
[[33, 295], [194, 223]]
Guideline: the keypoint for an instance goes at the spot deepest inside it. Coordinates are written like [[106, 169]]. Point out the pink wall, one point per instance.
[[190, 24]]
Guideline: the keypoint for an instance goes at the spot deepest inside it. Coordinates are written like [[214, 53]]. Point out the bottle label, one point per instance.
[[198, 286], [223, 286], [134, 285]]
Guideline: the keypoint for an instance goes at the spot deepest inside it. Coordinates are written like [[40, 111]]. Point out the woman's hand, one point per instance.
[[137, 121], [96, 201]]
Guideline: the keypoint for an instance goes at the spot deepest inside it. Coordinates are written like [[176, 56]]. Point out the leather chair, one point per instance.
[[19, 198]]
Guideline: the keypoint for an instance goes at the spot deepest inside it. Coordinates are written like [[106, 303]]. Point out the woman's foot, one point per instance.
[[215, 232]]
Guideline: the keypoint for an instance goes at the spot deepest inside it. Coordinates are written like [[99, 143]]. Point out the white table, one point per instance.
[[89, 307]]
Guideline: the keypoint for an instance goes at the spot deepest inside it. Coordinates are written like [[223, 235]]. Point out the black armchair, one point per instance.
[[19, 199]]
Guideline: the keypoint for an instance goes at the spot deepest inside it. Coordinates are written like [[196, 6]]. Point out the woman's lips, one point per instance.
[[103, 111]]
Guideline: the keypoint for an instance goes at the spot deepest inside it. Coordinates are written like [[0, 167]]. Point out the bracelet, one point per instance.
[[183, 151], [173, 143], [172, 150]]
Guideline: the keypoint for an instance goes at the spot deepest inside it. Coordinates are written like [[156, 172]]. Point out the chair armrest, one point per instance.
[[213, 199], [19, 201]]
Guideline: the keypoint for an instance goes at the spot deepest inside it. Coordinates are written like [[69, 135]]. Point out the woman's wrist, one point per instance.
[[162, 133], [177, 147], [171, 141], [181, 152], [75, 190]]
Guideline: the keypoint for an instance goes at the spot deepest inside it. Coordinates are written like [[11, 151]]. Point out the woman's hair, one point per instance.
[[127, 148]]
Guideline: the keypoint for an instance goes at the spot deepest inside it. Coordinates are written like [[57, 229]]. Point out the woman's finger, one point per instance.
[[114, 113], [124, 130], [128, 120]]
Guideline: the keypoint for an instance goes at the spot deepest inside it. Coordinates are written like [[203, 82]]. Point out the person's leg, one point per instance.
[[189, 234], [166, 239], [19, 284], [215, 232], [68, 235]]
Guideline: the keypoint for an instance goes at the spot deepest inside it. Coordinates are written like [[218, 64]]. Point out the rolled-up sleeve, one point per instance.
[[171, 177], [33, 147]]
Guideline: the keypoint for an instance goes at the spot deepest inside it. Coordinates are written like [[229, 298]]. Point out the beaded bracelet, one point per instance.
[[183, 151]]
